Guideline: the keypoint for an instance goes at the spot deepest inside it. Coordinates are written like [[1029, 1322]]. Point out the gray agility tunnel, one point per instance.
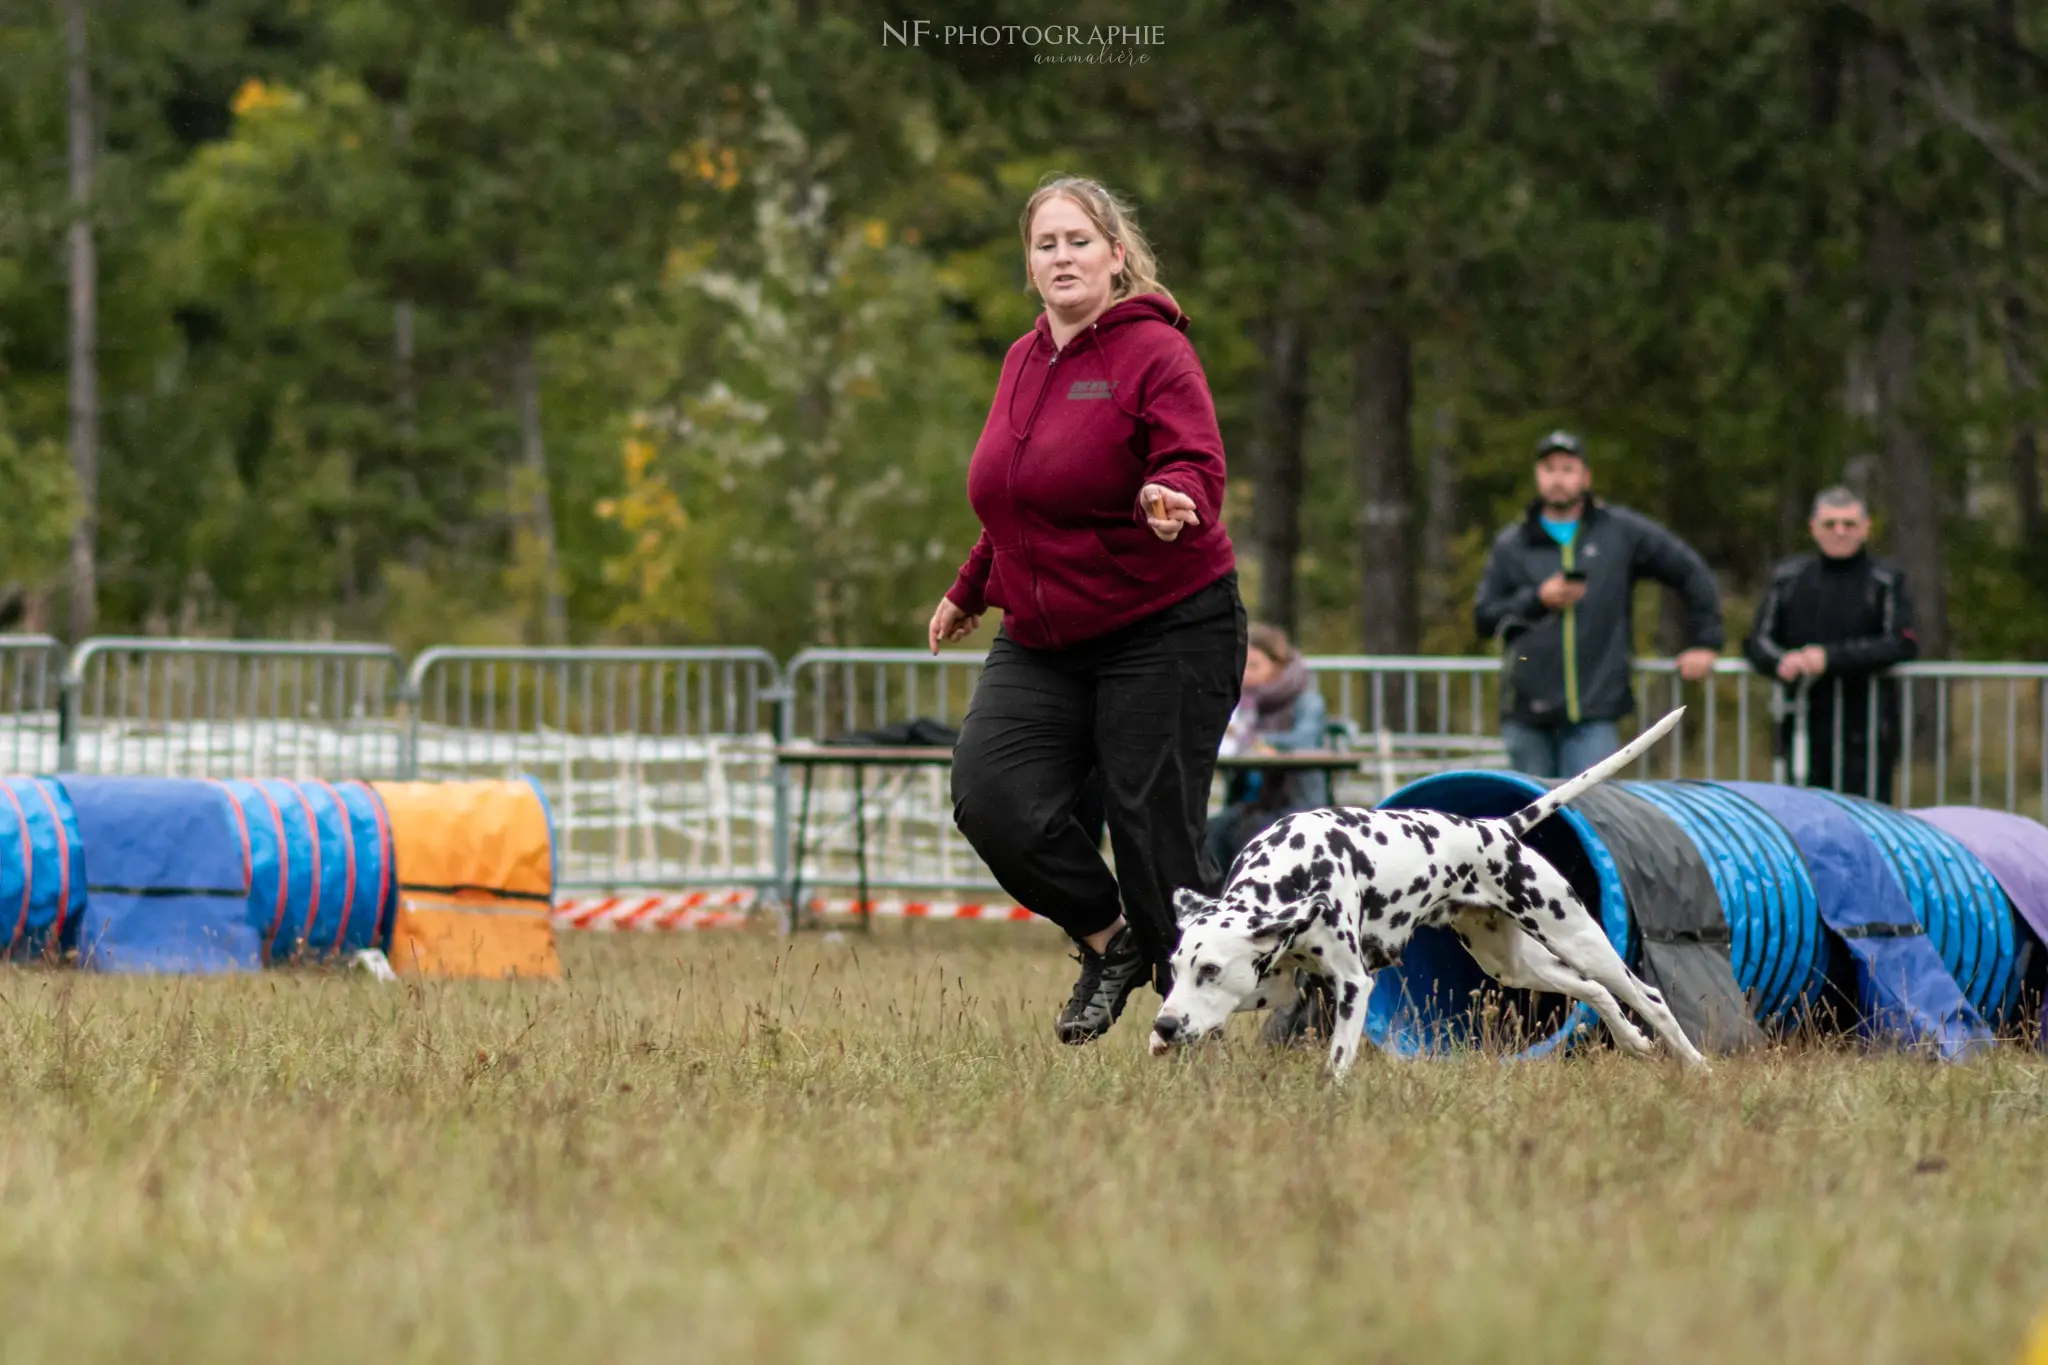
[[1758, 910]]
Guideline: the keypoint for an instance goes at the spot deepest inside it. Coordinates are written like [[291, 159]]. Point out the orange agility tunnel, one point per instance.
[[476, 872]]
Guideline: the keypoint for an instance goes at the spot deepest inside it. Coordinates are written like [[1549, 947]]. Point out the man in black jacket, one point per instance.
[[1557, 593], [1830, 625]]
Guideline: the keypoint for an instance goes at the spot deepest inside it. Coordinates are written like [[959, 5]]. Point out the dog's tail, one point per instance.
[[1547, 805]]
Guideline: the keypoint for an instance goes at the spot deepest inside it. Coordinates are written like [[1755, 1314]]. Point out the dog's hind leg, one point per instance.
[[1585, 949], [1514, 958], [1543, 902]]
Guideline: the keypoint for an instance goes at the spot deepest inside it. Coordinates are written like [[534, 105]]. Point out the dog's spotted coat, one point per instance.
[[1339, 892]]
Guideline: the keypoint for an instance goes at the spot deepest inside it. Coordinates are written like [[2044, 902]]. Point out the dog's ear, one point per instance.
[[1188, 903], [1292, 919], [1274, 939], [1279, 932]]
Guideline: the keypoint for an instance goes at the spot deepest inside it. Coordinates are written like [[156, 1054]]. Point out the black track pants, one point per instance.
[[1143, 710]]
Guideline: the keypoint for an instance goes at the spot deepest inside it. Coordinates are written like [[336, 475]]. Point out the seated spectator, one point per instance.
[[1279, 711]]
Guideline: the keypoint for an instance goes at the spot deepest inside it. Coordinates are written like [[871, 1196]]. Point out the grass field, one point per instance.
[[726, 1147]]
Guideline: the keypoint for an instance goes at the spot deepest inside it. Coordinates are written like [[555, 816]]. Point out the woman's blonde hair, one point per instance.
[[1112, 218]]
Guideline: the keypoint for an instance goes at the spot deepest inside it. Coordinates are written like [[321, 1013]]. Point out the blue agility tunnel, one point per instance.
[[1777, 944], [1904, 991], [42, 869], [1956, 900], [319, 866], [168, 881], [1751, 907], [2014, 850], [202, 876]]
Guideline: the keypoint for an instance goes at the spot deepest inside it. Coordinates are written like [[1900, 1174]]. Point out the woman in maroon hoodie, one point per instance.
[[1098, 480]]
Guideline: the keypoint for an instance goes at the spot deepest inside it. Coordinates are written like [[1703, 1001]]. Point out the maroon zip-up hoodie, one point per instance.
[[1071, 438]]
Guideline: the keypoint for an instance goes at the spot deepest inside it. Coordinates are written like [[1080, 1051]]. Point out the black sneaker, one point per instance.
[[1107, 980]]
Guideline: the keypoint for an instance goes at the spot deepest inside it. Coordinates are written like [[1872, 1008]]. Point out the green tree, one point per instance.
[[812, 493]]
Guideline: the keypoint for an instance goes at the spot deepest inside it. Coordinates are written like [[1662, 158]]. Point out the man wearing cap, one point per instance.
[[1557, 592]]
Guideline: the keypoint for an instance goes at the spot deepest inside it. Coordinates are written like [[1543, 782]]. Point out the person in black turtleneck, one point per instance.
[[1831, 622]]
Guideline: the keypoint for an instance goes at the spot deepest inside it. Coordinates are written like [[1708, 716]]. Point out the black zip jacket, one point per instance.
[[1857, 609], [1561, 667]]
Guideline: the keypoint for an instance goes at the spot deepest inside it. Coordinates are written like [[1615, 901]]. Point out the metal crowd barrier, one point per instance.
[[30, 679], [1422, 714], [1944, 712], [1965, 732], [225, 708], [659, 769], [912, 843], [658, 764], [1726, 734], [1414, 714], [1917, 736], [844, 691]]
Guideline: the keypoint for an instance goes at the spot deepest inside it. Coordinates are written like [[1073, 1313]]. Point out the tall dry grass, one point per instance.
[[726, 1147]]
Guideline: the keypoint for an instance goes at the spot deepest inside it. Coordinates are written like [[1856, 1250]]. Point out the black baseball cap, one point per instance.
[[1560, 440]]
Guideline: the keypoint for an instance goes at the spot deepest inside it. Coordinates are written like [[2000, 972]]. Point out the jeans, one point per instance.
[[1558, 750], [1129, 723]]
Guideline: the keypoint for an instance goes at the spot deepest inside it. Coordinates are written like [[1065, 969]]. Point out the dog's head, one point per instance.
[[1230, 958]]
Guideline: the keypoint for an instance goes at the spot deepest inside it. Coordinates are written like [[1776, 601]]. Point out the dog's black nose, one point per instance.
[[1167, 1027]]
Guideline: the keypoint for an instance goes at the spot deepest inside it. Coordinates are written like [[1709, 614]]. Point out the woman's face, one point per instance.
[[1259, 668], [1072, 264]]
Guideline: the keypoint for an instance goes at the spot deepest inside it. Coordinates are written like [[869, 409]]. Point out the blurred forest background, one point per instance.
[[675, 320]]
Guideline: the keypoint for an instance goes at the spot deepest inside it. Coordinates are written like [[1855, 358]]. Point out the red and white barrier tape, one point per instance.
[[925, 909], [693, 910], [727, 909]]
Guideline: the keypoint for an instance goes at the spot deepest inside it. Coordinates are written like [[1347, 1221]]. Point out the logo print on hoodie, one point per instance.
[[1087, 390]]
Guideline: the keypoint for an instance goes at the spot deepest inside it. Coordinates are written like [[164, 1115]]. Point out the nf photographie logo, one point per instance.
[[1088, 44]]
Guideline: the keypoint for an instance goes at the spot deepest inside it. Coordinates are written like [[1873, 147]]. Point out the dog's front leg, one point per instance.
[[1352, 986]]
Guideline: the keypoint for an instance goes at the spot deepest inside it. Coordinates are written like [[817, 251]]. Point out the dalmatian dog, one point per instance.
[[1339, 892]]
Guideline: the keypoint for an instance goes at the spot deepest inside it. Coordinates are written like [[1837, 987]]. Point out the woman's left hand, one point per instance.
[[1167, 511]]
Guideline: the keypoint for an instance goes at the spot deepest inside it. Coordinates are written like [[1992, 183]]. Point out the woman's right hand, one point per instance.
[[949, 623]]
